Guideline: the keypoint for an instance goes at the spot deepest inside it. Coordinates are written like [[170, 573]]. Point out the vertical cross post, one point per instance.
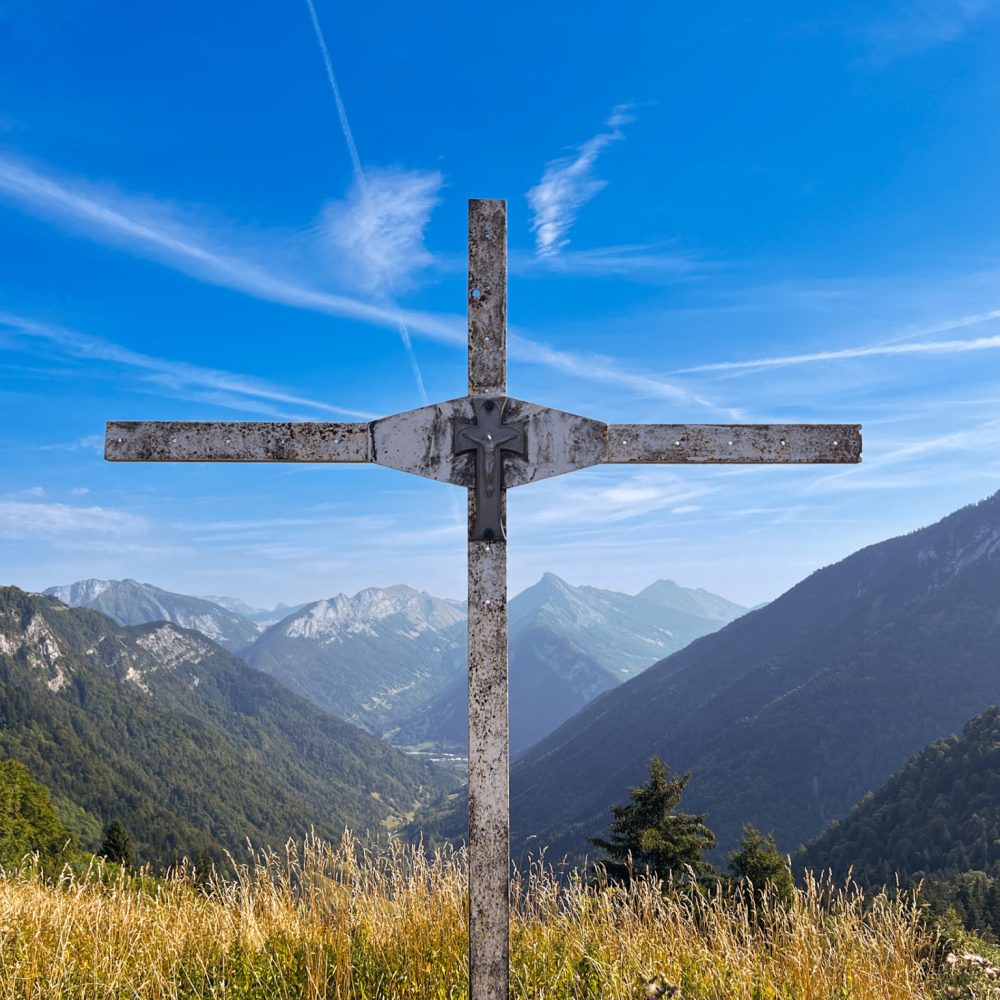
[[487, 429], [489, 826]]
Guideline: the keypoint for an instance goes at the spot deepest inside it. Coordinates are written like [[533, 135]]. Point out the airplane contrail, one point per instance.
[[359, 174]]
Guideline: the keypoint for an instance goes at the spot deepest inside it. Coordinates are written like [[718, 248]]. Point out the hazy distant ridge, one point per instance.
[[790, 714]]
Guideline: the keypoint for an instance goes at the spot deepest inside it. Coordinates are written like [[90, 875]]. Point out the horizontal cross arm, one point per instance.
[[734, 444], [244, 441]]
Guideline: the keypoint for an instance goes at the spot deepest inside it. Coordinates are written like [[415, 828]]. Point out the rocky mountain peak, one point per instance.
[[130, 602], [341, 616]]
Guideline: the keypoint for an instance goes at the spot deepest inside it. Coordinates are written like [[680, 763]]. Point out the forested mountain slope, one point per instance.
[[182, 741], [939, 813], [790, 714]]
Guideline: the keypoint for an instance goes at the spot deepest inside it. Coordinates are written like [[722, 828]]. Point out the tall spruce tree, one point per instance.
[[117, 844], [649, 835]]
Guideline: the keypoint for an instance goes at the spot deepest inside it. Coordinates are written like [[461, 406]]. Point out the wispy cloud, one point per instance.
[[935, 347], [604, 500], [637, 261], [32, 521], [600, 368], [376, 235], [979, 437], [225, 388], [568, 183], [153, 231]]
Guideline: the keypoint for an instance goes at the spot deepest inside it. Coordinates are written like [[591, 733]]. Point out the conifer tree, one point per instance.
[[758, 865], [204, 867], [648, 834], [117, 844]]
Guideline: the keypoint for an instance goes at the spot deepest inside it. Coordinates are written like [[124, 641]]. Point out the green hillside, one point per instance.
[[939, 813], [187, 745]]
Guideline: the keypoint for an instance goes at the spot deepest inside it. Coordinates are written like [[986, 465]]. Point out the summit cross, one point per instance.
[[486, 442]]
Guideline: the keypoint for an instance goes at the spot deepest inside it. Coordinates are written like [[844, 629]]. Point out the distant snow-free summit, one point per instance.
[[132, 603]]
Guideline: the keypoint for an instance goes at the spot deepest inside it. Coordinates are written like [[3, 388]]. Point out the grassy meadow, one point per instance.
[[342, 921]]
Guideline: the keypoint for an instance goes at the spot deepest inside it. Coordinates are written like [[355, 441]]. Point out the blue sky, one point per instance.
[[716, 213]]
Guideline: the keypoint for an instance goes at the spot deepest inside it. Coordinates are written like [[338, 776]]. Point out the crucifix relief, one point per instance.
[[488, 443], [489, 438]]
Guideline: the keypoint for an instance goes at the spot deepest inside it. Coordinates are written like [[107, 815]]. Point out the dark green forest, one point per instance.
[[936, 821], [29, 823]]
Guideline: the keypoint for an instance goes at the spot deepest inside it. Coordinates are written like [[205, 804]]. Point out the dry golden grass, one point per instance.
[[342, 922]]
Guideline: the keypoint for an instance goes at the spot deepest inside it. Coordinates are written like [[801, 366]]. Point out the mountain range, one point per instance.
[[393, 660], [193, 750], [787, 716], [132, 603], [373, 658], [260, 616], [568, 645]]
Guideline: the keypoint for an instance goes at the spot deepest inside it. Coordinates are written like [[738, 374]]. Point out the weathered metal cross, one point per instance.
[[488, 443]]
